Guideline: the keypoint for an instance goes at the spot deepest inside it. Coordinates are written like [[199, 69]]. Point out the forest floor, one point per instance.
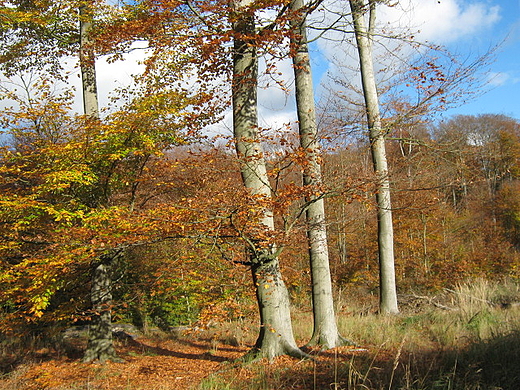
[[466, 339], [150, 363], [160, 364]]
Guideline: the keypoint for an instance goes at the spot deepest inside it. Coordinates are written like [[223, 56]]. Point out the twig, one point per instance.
[[432, 302]]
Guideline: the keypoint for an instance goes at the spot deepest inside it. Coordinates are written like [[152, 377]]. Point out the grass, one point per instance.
[[463, 338]]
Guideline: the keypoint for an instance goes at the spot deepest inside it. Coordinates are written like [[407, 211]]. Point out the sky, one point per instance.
[[471, 28], [503, 96], [466, 27]]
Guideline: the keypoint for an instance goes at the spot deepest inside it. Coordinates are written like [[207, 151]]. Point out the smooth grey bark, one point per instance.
[[276, 335], [325, 332], [100, 345], [387, 285], [87, 65]]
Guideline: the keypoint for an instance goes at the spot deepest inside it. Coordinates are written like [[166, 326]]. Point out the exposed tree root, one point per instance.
[[325, 343], [255, 354]]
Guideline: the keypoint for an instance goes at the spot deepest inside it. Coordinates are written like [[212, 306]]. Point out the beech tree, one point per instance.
[[78, 180], [207, 27], [276, 335], [414, 79], [377, 133], [100, 345], [325, 331]]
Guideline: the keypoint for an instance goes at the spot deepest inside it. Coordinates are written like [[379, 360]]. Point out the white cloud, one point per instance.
[[440, 22], [497, 79], [276, 102], [443, 21], [434, 21], [120, 73], [110, 76]]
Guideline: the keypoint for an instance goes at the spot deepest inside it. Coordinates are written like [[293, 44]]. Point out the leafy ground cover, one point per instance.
[[151, 363], [468, 338]]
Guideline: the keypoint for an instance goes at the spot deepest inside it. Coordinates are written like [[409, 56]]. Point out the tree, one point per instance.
[[479, 160], [78, 176], [100, 346], [276, 336], [37, 35], [388, 290], [325, 331], [87, 62]]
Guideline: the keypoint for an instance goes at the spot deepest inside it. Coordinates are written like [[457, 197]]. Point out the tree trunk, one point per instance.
[[100, 346], [325, 331], [388, 291], [276, 335], [87, 61]]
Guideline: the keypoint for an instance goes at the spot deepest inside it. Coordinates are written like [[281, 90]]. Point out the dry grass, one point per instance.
[[465, 338]]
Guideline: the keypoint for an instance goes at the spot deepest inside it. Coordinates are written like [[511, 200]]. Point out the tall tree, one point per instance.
[[325, 331], [54, 29], [100, 344], [364, 37], [83, 171], [276, 335]]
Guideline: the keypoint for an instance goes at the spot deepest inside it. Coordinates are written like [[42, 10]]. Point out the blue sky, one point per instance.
[[468, 28], [503, 96]]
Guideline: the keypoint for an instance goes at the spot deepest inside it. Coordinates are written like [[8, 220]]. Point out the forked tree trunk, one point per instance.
[[325, 331], [100, 345], [387, 286], [276, 335]]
